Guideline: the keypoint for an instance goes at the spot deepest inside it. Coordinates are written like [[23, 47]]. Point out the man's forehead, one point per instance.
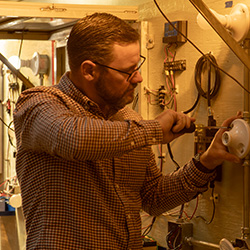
[[129, 52]]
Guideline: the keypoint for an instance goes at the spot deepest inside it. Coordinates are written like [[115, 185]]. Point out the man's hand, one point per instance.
[[172, 124], [217, 152]]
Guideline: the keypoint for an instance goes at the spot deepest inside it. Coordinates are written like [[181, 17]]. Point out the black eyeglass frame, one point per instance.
[[124, 72]]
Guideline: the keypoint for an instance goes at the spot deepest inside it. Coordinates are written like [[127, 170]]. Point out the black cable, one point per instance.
[[194, 105], [209, 83], [10, 140], [6, 125], [161, 157], [172, 157], [181, 211], [149, 228], [202, 64], [19, 52], [213, 203], [199, 49]]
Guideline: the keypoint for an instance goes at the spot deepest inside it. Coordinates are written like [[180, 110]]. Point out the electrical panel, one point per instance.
[[172, 32], [177, 233]]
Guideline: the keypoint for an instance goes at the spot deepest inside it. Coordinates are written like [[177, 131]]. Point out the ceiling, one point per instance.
[[35, 28], [49, 21]]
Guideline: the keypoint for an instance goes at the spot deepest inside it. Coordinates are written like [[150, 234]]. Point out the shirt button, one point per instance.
[[132, 143], [154, 140], [117, 186], [129, 216]]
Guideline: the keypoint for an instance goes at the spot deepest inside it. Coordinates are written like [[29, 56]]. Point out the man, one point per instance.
[[84, 160]]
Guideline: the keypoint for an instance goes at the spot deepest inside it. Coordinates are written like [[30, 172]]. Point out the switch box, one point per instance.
[[177, 232], [172, 34]]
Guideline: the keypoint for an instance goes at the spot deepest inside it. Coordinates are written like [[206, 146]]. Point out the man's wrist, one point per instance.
[[200, 164]]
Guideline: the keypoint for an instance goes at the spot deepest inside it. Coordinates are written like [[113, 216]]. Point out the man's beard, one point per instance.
[[114, 101]]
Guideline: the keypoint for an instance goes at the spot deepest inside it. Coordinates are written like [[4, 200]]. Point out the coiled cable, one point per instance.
[[204, 64]]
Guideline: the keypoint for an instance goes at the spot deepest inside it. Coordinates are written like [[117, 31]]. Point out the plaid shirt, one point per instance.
[[84, 178]]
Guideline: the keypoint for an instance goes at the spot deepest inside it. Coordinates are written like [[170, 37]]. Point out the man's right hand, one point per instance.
[[173, 123]]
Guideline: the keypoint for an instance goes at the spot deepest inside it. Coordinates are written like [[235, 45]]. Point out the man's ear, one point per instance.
[[88, 70]]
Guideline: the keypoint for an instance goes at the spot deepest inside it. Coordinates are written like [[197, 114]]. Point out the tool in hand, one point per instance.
[[214, 127], [192, 128]]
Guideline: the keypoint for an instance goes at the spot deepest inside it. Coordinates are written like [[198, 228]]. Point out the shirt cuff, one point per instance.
[[201, 167]]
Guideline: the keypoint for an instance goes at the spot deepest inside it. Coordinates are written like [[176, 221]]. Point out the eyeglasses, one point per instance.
[[130, 75]]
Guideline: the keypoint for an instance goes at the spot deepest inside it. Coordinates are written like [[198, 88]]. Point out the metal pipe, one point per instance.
[[192, 242], [246, 46], [245, 226], [246, 198]]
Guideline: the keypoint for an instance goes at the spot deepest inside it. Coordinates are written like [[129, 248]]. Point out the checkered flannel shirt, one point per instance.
[[84, 179]]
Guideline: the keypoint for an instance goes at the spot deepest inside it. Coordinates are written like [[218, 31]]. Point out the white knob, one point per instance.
[[226, 245], [237, 139], [15, 200]]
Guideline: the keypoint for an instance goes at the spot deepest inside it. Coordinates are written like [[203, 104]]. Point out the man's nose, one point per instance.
[[136, 78]]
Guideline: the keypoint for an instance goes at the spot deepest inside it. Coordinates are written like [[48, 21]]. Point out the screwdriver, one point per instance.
[[214, 127], [192, 128]]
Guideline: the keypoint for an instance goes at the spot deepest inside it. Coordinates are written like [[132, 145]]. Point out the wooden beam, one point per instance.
[[56, 10], [222, 32]]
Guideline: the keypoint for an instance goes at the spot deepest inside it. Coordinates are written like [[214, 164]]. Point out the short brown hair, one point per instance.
[[92, 38]]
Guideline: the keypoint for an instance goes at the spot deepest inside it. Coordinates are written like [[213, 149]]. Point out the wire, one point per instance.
[[199, 49], [172, 237], [194, 105], [8, 126], [172, 157], [202, 64], [213, 202], [149, 228], [150, 92], [9, 136], [181, 211], [161, 157], [170, 78]]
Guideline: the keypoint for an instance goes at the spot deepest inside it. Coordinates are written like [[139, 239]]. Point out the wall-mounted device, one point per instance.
[[39, 64], [171, 32]]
